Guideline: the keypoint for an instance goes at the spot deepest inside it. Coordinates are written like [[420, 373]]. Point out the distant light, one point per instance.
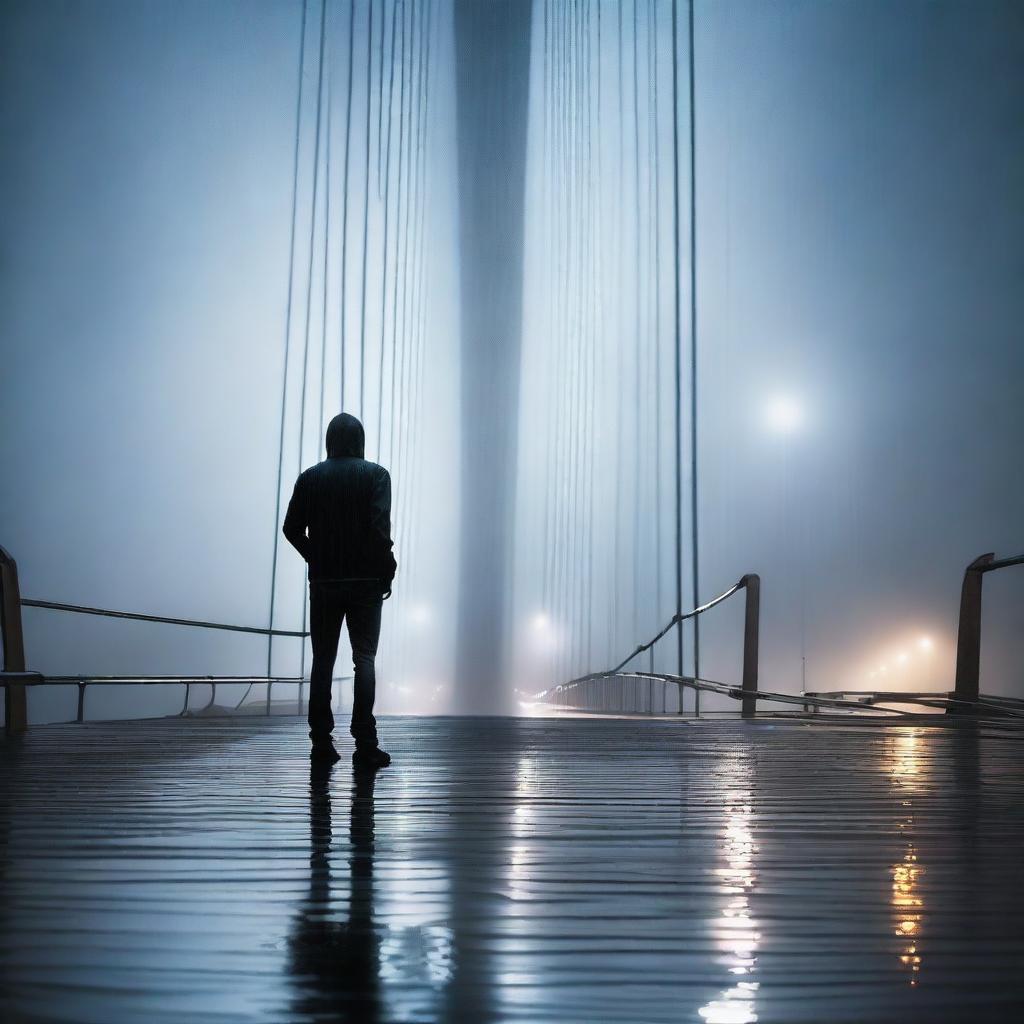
[[540, 622], [419, 614], [926, 644], [783, 415], [902, 657]]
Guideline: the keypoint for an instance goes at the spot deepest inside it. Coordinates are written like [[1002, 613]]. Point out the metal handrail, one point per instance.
[[746, 693], [140, 617], [872, 699], [674, 621], [965, 697], [14, 677], [729, 690], [968, 639]]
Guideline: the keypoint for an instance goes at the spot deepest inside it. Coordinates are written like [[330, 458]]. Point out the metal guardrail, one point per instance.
[[875, 700], [746, 693], [140, 617], [968, 639], [14, 677], [965, 697]]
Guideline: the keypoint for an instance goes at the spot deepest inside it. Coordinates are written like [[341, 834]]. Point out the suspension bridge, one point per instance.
[[493, 258]]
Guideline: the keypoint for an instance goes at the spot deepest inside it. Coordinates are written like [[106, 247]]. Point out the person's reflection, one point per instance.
[[335, 964]]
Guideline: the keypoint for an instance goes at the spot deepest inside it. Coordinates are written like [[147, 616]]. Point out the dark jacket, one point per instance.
[[339, 518]]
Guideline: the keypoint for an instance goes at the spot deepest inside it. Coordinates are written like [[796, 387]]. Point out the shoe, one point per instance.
[[324, 753], [373, 758]]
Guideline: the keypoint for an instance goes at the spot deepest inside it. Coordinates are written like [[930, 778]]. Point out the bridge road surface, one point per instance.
[[534, 870]]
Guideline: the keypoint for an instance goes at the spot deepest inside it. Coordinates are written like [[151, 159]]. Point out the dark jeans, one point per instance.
[[329, 603]]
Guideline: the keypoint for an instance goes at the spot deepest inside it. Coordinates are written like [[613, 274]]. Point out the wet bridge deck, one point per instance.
[[528, 870]]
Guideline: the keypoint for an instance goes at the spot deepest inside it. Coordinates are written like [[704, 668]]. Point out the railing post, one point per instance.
[[15, 702], [751, 629], [80, 715], [968, 637]]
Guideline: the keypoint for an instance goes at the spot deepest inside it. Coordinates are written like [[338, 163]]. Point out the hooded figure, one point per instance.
[[345, 436], [339, 520], [344, 505]]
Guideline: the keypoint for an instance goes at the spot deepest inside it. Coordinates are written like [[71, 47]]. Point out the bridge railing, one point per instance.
[[963, 699], [968, 640], [746, 692], [15, 677]]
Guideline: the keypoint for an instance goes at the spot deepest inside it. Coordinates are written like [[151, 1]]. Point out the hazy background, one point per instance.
[[860, 291]]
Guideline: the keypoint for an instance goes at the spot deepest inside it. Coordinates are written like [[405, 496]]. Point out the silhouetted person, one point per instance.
[[339, 520]]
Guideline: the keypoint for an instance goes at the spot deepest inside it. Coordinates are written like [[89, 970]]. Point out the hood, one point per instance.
[[345, 436]]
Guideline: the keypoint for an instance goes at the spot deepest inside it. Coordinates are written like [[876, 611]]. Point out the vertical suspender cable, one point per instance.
[[366, 213], [401, 282], [578, 333], [380, 91], [545, 189], [309, 288], [678, 341], [412, 483], [327, 250], [418, 320], [571, 328], [584, 528], [568, 221], [655, 230], [638, 342], [593, 242], [409, 491], [553, 352], [344, 188], [550, 404], [406, 230], [693, 363], [287, 333], [558, 91], [384, 247], [620, 323], [599, 331], [546, 176], [395, 341]]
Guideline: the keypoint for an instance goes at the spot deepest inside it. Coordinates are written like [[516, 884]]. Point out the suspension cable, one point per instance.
[[287, 335]]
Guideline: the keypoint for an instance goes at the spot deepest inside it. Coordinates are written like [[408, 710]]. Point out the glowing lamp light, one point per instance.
[[783, 415], [540, 622], [926, 644]]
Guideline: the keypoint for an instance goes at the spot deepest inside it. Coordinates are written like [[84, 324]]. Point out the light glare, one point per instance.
[[783, 414]]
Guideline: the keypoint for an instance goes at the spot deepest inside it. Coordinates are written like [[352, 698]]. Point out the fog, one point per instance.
[[470, 226]]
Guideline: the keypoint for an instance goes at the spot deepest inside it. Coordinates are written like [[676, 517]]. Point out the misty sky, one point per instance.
[[860, 291]]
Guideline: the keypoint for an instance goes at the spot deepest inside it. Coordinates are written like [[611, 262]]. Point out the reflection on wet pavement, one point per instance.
[[524, 870], [736, 929], [907, 874]]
